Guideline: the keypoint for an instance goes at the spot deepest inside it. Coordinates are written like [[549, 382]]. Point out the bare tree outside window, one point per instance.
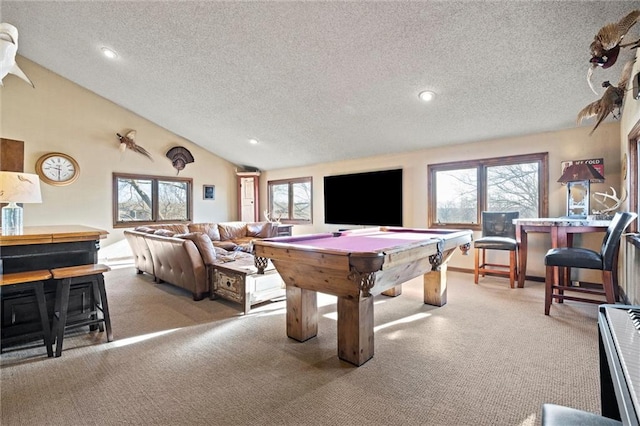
[[279, 205], [145, 199], [513, 187], [172, 200], [290, 200], [459, 192], [134, 199], [458, 195], [302, 201]]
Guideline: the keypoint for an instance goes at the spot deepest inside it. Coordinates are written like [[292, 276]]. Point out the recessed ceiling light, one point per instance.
[[426, 96], [253, 141], [109, 53]]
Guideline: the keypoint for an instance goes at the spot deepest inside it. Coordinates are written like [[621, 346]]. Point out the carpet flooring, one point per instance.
[[488, 357]]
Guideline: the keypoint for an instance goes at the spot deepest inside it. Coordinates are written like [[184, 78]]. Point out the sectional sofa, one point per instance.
[[180, 253]]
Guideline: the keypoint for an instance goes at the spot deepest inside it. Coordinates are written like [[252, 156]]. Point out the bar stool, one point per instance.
[[72, 275], [30, 281], [498, 233]]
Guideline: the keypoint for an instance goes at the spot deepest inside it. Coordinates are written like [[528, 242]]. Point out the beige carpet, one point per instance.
[[488, 357]]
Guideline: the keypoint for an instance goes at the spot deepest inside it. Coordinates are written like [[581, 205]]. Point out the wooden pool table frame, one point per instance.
[[354, 277]]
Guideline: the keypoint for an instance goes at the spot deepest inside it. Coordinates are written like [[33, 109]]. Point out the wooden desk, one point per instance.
[[560, 229], [52, 234], [45, 247]]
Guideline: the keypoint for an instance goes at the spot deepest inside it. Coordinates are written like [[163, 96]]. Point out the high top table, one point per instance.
[[561, 231], [45, 247]]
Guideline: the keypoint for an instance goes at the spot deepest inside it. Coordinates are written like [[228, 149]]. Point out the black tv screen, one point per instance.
[[370, 198]]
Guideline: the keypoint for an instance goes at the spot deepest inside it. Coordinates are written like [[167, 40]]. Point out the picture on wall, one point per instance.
[[208, 192], [591, 169]]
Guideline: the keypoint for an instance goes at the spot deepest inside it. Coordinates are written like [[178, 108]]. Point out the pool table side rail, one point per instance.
[[453, 238], [366, 261], [306, 255]]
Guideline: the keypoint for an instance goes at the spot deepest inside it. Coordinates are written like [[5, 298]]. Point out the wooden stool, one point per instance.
[[65, 278], [30, 281]]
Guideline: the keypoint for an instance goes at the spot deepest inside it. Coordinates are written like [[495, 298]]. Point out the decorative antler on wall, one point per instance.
[[605, 196], [269, 218]]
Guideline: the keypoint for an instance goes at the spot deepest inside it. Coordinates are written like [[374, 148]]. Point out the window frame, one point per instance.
[[154, 199], [632, 173], [290, 183], [481, 165]]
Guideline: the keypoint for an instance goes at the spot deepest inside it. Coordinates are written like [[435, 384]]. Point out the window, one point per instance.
[[631, 165], [459, 192], [290, 200], [140, 199]]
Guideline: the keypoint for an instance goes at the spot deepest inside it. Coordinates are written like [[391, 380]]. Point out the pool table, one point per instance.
[[355, 265]]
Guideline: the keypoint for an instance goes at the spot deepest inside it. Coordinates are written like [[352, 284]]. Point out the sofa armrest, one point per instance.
[[178, 261], [141, 254], [204, 245]]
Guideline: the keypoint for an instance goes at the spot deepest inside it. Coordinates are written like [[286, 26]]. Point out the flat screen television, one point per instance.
[[369, 198]]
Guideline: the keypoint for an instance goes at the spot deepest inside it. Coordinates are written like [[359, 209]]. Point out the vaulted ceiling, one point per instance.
[[320, 81]]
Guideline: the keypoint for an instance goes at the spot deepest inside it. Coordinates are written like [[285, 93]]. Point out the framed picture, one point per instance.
[[208, 192]]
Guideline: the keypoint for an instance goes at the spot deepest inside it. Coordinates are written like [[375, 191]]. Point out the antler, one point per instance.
[[606, 196], [270, 218]]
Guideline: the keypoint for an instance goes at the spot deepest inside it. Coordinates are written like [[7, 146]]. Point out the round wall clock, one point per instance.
[[56, 168]]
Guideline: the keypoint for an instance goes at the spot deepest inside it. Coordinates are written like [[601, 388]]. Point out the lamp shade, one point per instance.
[[582, 171], [18, 187]]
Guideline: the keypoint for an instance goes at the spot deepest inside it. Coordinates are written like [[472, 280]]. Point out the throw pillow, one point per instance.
[[258, 229], [144, 229], [210, 229], [232, 230], [227, 245], [203, 244]]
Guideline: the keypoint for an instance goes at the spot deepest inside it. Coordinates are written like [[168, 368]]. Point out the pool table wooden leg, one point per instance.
[[393, 291], [355, 329], [435, 286], [302, 313]]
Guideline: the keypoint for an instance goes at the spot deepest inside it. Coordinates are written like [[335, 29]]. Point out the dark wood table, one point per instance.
[[561, 231], [45, 247], [354, 266]]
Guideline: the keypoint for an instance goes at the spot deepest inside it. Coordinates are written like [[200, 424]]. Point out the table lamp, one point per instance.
[[17, 187], [578, 178]]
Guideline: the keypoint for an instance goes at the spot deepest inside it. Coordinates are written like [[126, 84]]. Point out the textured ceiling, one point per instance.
[[318, 82]]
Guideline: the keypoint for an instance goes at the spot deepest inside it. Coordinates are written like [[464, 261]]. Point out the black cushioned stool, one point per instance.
[[65, 278], [30, 281], [605, 260], [498, 233], [558, 415]]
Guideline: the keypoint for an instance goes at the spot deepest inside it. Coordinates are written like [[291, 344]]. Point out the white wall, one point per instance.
[[631, 115], [59, 115], [570, 144]]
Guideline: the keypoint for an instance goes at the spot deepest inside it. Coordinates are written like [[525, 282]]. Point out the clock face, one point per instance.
[[57, 169]]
